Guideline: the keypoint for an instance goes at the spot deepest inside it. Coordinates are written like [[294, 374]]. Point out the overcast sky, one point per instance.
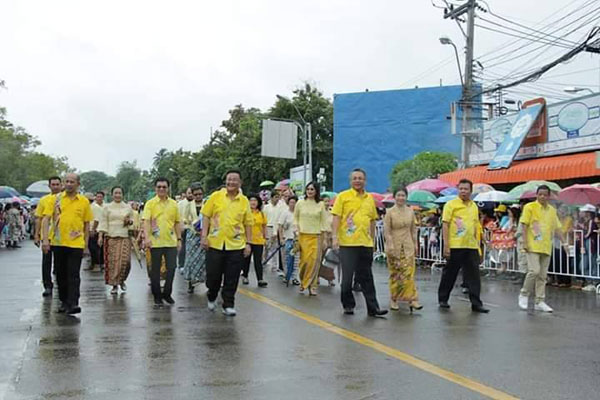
[[103, 82]]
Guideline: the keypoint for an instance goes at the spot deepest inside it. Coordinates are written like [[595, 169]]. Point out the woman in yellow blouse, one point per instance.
[[257, 244], [310, 220], [401, 247], [113, 228]]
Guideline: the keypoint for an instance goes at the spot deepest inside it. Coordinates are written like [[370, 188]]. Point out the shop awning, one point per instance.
[[569, 166]]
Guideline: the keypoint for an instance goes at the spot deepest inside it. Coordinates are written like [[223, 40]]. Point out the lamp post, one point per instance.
[[575, 90], [448, 41], [306, 139]]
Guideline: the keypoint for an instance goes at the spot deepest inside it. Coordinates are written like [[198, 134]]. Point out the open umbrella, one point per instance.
[[431, 185], [421, 196], [330, 195], [7, 191], [445, 199], [495, 196], [449, 191], [266, 183], [282, 184], [531, 186], [580, 194], [481, 188], [532, 194]]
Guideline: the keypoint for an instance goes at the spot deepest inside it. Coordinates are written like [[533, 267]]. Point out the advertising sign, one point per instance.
[[512, 141]]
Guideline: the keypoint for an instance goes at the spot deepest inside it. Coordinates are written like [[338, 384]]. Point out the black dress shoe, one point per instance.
[[169, 299], [444, 304], [349, 311], [74, 310], [356, 287], [378, 313], [47, 292], [480, 309], [62, 308]]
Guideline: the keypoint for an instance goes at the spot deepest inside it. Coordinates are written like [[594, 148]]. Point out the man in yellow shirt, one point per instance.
[[55, 185], [70, 214], [96, 249], [184, 205], [461, 240], [162, 228], [540, 224], [353, 229], [226, 235]]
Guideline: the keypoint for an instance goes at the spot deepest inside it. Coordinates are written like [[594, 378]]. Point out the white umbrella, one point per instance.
[[495, 195], [38, 189]]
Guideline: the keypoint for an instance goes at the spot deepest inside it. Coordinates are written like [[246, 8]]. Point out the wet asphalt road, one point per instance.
[[120, 347]]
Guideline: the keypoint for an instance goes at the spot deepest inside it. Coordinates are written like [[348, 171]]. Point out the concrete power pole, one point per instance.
[[467, 92]]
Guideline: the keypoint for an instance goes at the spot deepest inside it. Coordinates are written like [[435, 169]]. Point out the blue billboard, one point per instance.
[[375, 130]]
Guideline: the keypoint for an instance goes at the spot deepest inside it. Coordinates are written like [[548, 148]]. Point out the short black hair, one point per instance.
[[112, 191], [162, 179], [196, 186], [465, 180], [274, 193], [232, 171], [54, 178], [257, 198], [292, 197], [362, 171], [400, 189], [101, 192], [543, 187]]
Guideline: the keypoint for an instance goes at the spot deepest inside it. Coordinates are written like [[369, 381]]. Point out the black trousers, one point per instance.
[[96, 252], [181, 258], [257, 251], [357, 262], [67, 264], [468, 260], [223, 267], [170, 255], [47, 268]]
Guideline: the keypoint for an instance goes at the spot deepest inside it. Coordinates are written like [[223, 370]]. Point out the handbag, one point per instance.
[[331, 259]]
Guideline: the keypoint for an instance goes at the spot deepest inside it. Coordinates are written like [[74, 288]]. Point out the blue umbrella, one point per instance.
[[449, 191], [7, 191], [445, 199]]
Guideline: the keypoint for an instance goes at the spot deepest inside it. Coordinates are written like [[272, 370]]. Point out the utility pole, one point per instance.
[[467, 92]]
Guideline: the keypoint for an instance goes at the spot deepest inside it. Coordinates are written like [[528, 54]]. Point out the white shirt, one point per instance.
[[272, 213], [286, 222]]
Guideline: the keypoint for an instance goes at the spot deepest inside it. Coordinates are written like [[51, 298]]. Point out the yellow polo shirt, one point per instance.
[[356, 212], [45, 202], [228, 219], [68, 219], [163, 215], [260, 222], [541, 223], [464, 225]]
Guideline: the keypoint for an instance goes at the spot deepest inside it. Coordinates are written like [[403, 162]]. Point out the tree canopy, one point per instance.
[[427, 164]]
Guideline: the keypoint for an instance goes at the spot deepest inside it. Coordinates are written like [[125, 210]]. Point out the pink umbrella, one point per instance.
[[580, 194], [431, 185], [378, 199], [533, 195]]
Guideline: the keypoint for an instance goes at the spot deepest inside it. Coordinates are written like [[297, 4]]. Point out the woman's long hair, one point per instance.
[[317, 190]]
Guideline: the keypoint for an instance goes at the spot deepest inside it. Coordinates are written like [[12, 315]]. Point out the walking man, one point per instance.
[[353, 230], [162, 228], [226, 235], [55, 185], [272, 212], [185, 206], [461, 240], [96, 249], [540, 224], [70, 215]]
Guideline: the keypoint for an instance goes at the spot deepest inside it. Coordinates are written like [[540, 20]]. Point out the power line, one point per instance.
[[527, 34], [530, 38]]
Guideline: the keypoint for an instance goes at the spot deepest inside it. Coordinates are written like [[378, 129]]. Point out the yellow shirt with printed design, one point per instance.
[[44, 203], [228, 220], [258, 229], [357, 212], [69, 216], [163, 216], [464, 226], [541, 223]]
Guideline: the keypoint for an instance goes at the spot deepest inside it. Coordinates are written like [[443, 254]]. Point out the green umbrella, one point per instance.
[[266, 183], [331, 195], [420, 196], [530, 186]]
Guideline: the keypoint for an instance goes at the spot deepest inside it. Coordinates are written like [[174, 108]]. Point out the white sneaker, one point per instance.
[[542, 306], [229, 311], [589, 288], [212, 305], [523, 302]]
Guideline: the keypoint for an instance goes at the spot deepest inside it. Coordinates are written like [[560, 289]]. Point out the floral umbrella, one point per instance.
[[431, 185], [580, 194]]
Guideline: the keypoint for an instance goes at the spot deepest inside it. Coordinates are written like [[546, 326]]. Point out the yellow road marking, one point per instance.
[[390, 351]]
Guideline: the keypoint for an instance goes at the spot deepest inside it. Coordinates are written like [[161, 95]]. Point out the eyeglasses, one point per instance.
[[162, 187]]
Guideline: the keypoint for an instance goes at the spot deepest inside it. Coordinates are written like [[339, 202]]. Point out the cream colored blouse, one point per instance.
[[113, 220]]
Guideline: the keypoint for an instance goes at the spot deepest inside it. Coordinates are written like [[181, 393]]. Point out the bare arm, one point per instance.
[[178, 234], [45, 234], [86, 234], [205, 230], [372, 229], [147, 234], [37, 232], [445, 238], [524, 236], [334, 232]]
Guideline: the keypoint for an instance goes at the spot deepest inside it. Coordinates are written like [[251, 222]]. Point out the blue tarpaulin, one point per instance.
[[375, 130]]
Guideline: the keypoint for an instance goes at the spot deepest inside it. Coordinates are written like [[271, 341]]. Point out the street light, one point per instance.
[[306, 134], [447, 40], [575, 90]]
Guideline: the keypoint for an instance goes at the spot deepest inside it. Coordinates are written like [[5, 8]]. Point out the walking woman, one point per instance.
[[117, 220], [257, 242], [194, 266], [310, 219], [401, 247]]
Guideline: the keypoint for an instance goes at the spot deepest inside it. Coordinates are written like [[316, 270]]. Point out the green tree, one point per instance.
[[134, 181], [427, 164], [94, 181]]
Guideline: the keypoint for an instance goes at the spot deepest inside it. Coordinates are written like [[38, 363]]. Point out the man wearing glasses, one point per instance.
[[162, 226]]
